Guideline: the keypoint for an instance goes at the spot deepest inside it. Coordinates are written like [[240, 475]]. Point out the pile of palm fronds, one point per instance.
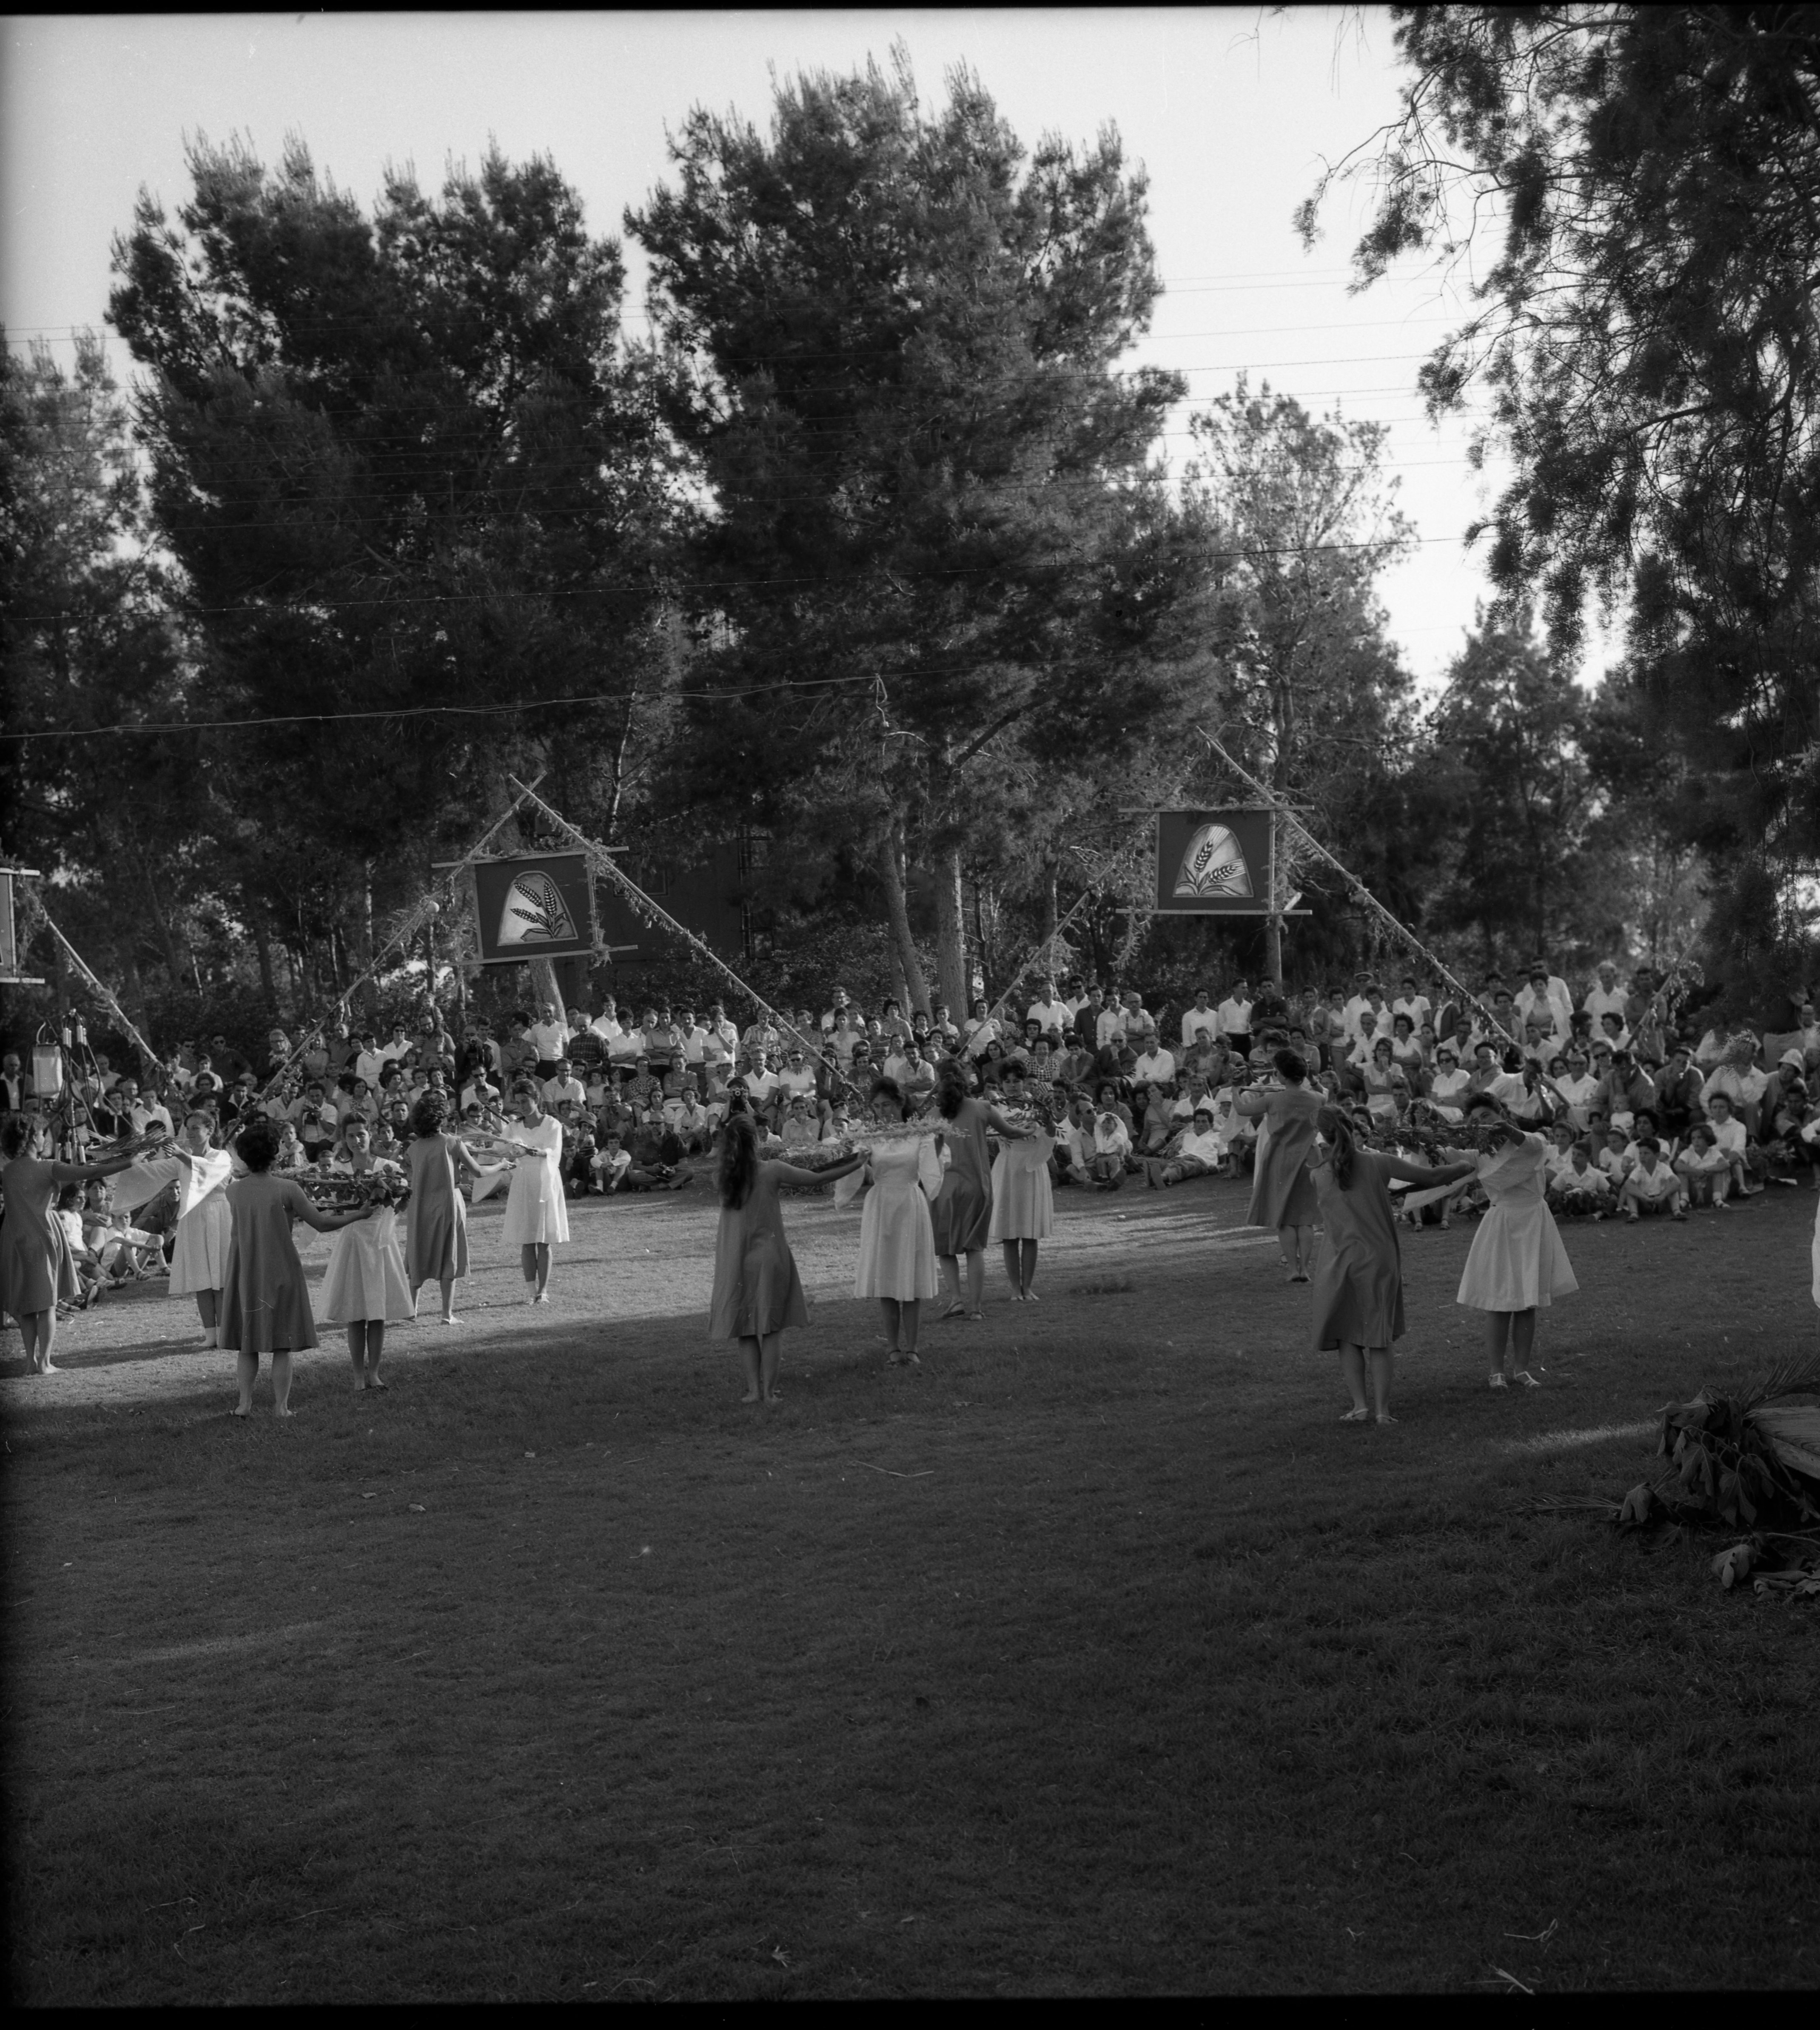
[[1736, 1458]]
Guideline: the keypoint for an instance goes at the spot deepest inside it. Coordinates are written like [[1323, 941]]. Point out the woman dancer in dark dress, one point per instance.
[[962, 1212], [1282, 1193], [436, 1219], [1358, 1289], [35, 1266], [756, 1290]]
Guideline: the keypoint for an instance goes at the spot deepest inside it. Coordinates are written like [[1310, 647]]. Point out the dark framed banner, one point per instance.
[[534, 905], [1215, 862]]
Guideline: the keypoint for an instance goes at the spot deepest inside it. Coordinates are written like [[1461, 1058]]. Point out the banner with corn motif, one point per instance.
[[1214, 863], [534, 905]]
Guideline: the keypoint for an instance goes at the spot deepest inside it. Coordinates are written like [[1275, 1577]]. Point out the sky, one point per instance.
[[1232, 111]]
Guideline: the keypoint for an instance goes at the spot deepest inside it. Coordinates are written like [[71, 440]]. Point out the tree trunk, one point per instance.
[[262, 944], [950, 934], [161, 923], [897, 908]]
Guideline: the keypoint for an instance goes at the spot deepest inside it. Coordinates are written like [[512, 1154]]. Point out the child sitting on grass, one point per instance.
[[1582, 1186], [126, 1253], [1706, 1169], [1614, 1158], [68, 1216], [1653, 1186]]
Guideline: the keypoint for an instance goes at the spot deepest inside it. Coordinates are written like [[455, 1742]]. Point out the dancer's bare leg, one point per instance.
[[749, 1352], [910, 1317], [375, 1346], [1027, 1270], [1012, 1270], [206, 1303], [1287, 1249], [893, 1312], [247, 1369], [47, 1339], [975, 1279], [1353, 1374], [357, 1350], [1384, 1361], [281, 1384], [1305, 1250], [1497, 1331], [950, 1265], [543, 1271], [1522, 1339], [770, 1353], [446, 1285]]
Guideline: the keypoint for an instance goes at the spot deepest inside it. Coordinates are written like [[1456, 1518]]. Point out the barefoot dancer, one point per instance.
[[205, 1227], [436, 1220], [1282, 1193], [536, 1211], [1517, 1261], [897, 1249], [962, 1217], [756, 1290], [266, 1304], [1358, 1292], [35, 1267], [364, 1285]]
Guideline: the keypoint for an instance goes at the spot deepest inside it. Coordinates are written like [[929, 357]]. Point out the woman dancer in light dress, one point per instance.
[[1517, 1261], [364, 1286], [1282, 1193], [897, 1248], [758, 1292], [1358, 1281], [205, 1227], [536, 1210], [963, 1216]]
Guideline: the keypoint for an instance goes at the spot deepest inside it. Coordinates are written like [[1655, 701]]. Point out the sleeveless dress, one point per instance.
[[1358, 1276], [1517, 1259], [962, 1214], [756, 1289], [36, 1268], [535, 1207], [265, 1299], [436, 1220], [1023, 1199], [205, 1227], [897, 1248], [365, 1278], [1282, 1192]]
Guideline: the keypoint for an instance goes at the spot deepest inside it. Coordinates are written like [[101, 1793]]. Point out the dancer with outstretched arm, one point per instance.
[[1282, 1193]]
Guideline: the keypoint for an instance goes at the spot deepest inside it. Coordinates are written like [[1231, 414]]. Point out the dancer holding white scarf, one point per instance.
[[205, 1226]]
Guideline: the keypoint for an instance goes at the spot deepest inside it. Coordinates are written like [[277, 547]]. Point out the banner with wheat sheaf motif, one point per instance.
[[534, 905]]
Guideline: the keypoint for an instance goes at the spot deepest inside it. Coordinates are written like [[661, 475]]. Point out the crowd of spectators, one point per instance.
[[1646, 1114]]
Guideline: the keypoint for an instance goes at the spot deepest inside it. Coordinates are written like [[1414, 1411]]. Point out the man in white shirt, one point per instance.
[[1371, 1002], [763, 1082], [563, 1084], [1411, 1003], [796, 1076], [1364, 1037], [832, 1019], [1052, 1012], [606, 1024], [368, 1062], [1198, 1153], [694, 1038], [1606, 996], [1203, 1015], [1156, 1066], [1235, 1017], [551, 1035], [1577, 1089], [981, 1030], [1109, 1027]]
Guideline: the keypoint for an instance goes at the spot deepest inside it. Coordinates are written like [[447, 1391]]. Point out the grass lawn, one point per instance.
[[1096, 1656]]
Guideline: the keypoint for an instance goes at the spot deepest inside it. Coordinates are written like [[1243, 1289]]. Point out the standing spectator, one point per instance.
[[1235, 1013], [15, 1088], [1049, 1011], [1606, 996], [551, 1036]]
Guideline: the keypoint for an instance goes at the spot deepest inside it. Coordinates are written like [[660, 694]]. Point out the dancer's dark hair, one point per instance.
[[1336, 1131], [739, 1159], [16, 1135], [1292, 1065], [430, 1113], [889, 1089], [950, 1089], [258, 1144]]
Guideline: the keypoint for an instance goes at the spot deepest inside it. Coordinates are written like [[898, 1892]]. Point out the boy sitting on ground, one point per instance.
[[1707, 1168], [1581, 1186], [1653, 1186]]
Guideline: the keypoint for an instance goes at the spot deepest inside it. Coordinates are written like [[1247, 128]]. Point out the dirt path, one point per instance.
[[647, 1257]]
